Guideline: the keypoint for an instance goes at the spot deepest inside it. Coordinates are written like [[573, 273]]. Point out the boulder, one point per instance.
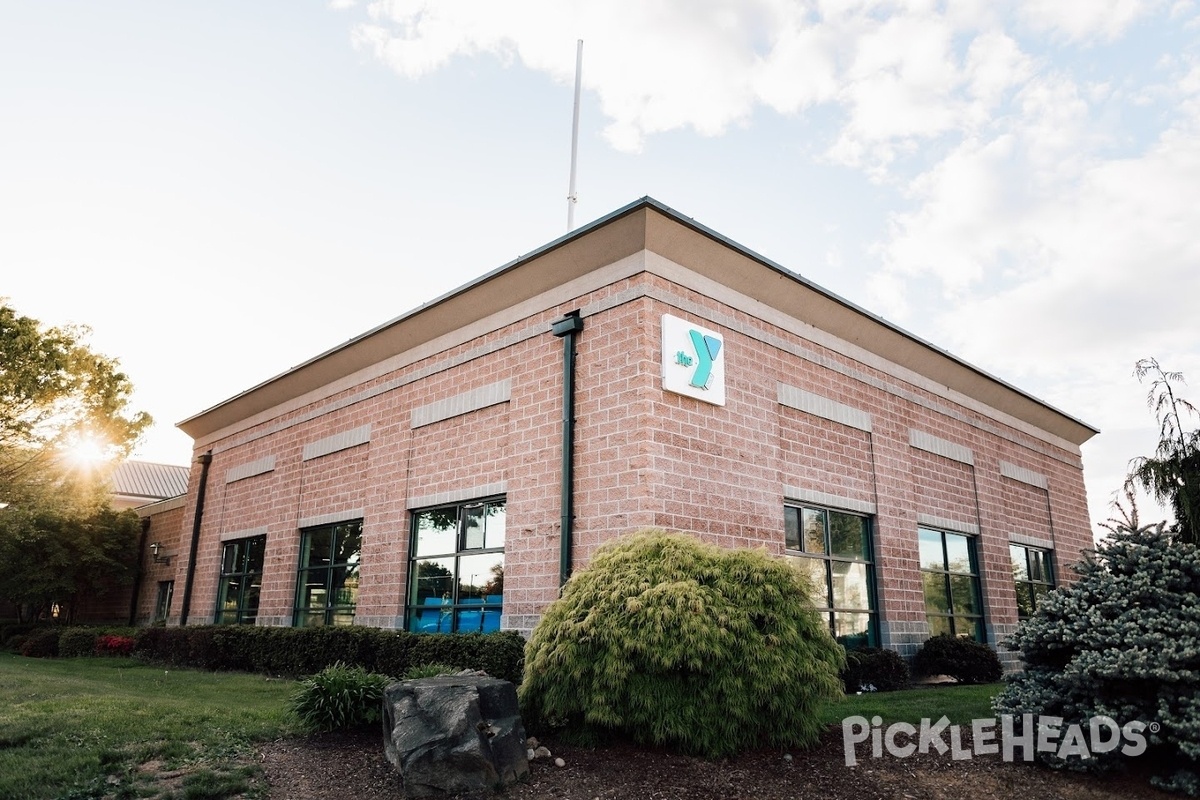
[[457, 733]]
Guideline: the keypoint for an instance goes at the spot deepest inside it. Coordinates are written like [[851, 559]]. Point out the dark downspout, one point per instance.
[[138, 573], [566, 329], [204, 460]]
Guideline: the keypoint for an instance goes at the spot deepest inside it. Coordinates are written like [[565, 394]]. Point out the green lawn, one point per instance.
[[81, 728], [960, 703]]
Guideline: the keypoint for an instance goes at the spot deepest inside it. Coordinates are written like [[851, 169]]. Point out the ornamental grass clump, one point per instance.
[[340, 696], [668, 641], [1122, 642]]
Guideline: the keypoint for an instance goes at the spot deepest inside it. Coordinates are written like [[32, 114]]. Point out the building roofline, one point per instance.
[[243, 405]]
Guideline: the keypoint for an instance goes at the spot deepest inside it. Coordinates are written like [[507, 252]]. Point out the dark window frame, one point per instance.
[[162, 600], [953, 613], [1032, 588], [335, 608], [241, 613], [448, 611], [828, 558]]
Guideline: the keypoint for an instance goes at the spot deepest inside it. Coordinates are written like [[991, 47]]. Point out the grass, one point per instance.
[[80, 728], [960, 703]]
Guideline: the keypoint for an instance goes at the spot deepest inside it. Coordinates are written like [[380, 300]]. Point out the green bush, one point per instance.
[[964, 660], [875, 670], [669, 641], [340, 696], [75, 642], [1123, 641], [41, 643], [429, 671]]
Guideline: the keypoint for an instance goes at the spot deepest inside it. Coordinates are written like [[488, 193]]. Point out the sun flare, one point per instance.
[[87, 451]]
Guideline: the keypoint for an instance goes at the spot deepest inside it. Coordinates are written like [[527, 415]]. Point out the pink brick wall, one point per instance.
[[644, 457]]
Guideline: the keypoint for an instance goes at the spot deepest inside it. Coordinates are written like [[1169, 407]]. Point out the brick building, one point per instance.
[[421, 475]]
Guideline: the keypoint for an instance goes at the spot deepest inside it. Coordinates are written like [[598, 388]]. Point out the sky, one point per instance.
[[221, 190]]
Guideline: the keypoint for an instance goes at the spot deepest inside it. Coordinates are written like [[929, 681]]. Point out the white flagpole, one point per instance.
[[571, 196]]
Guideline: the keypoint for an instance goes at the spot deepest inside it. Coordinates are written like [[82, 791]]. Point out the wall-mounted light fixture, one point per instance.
[[154, 548]]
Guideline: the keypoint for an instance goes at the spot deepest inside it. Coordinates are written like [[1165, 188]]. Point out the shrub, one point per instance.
[[340, 696], [669, 641], [75, 642], [112, 645], [7, 632], [42, 643], [429, 671], [964, 660], [305, 651], [1123, 641], [874, 669]]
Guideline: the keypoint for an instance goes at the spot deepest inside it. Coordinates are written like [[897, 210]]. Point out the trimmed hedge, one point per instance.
[[41, 643], [73, 642], [298, 652], [875, 670], [964, 660]]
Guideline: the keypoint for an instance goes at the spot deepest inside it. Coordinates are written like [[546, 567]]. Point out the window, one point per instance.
[[241, 580], [456, 573], [1033, 577], [833, 549], [162, 603], [327, 584], [950, 576]]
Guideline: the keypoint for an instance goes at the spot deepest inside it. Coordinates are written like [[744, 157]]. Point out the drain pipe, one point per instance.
[[139, 572], [204, 460], [567, 329]]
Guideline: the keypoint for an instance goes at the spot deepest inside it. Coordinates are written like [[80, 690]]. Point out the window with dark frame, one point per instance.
[[950, 578], [833, 548], [162, 602], [1033, 577], [327, 580], [456, 568], [240, 583]]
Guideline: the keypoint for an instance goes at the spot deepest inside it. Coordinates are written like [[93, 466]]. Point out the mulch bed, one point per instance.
[[351, 764]]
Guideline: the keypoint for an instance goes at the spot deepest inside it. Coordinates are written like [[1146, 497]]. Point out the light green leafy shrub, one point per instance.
[[668, 641], [340, 696], [1122, 642]]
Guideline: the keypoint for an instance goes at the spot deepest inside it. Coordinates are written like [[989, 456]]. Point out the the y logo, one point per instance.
[[693, 362], [707, 350]]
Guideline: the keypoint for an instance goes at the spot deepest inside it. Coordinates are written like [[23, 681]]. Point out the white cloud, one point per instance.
[[892, 65], [1081, 20]]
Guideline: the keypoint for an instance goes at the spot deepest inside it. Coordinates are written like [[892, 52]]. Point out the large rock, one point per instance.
[[458, 733]]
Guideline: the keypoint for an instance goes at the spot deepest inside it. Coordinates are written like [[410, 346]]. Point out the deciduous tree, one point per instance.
[[54, 388]]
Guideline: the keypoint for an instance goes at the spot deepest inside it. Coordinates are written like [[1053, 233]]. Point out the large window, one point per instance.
[[327, 585], [1032, 577], [950, 575], [833, 549], [241, 580], [456, 573]]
